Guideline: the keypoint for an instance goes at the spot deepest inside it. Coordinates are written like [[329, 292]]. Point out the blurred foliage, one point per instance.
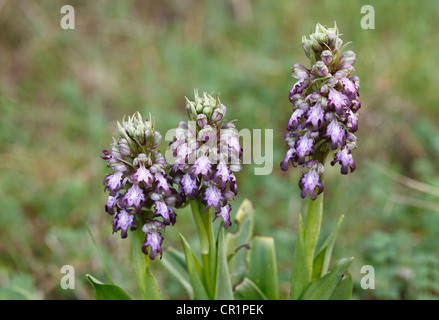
[[61, 92]]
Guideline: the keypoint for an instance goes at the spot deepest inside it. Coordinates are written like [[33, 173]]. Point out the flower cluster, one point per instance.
[[140, 191], [326, 103], [207, 153]]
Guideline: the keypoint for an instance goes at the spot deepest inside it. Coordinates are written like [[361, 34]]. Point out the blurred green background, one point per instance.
[[62, 91]]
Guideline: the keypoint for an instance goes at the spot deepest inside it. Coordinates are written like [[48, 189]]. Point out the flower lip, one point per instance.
[[122, 221], [309, 182], [224, 213], [113, 181], [153, 240], [344, 157], [213, 197]]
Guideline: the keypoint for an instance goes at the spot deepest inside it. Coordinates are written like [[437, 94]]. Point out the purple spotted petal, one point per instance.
[[134, 197], [201, 166], [349, 87], [222, 174], [165, 211], [304, 146], [316, 117], [111, 202], [190, 186], [344, 157], [289, 156], [225, 215], [309, 182], [298, 87], [337, 134], [213, 197], [337, 99], [143, 174], [233, 184], [122, 221], [352, 121], [154, 241], [113, 181], [294, 121], [162, 184]]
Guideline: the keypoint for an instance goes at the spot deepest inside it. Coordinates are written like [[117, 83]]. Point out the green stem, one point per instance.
[[148, 287], [203, 223], [312, 228], [314, 216]]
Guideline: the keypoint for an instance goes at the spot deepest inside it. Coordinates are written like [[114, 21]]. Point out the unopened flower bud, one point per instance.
[[124, 148], [139, 135], [157, 140], [347, 58], [334, 42], [201, 120], [190, 108], [217, 115], [326, 57], [320, 69], [315, 45], [207, 111]]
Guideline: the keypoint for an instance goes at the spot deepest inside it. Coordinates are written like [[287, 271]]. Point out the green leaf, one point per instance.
[[174, 261], [107, 291], [239, 241], [263, 266], [300, 274], [195, 271], [248, 290], [344, 289], [149, 289], [323, 258], [318, 262], [223, 286], [324, 288]]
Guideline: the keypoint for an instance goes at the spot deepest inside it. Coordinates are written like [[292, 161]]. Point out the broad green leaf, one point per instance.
[[323, 257], [324, 288], [223, 286], [248, 290], [300, 274], [195, 271], [263, 266], [239, 241], [174, 261], [149, 289], [344, 289], [107, 291], [318, 262]]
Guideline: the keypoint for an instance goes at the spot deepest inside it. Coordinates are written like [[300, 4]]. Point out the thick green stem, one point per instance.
[[203, 222], [312, 228], [314, 216]]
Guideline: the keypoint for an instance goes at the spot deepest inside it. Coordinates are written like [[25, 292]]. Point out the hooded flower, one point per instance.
[[140, 189], [153, 239], [325, 102], [207, 153]]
